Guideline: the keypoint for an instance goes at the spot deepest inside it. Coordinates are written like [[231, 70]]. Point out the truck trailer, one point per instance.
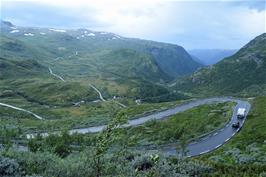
[[241, 112]]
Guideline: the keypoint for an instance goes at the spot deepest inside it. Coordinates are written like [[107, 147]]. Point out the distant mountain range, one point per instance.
[[210, 56], [46, 44], [116, 65], [123, 66], [243, 73]]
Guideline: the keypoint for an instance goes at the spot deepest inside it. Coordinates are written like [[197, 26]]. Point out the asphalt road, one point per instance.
[[204, 145], [216, 139]]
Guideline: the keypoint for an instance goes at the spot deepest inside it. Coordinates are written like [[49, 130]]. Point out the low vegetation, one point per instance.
[[110, 152], [191, 124]]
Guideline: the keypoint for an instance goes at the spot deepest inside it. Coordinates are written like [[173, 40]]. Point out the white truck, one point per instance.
[[241, 112]]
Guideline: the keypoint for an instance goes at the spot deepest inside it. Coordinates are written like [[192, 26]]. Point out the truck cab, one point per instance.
[[241, 112], [236, 125]]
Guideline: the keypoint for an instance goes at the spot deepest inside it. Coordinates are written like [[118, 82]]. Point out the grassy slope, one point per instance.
[[193, 123], [244, 155], [88, 114], [241, 74], [125, 69]]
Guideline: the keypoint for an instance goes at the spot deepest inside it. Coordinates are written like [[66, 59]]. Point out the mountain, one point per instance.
[[243, 73], [46, 44], [210, 56], [116, 65]]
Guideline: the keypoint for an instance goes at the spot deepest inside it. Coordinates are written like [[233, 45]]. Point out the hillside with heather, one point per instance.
[[241, 74]]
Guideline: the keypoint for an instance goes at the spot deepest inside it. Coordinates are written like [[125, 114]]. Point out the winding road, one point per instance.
[[216, 139], [55, 75], [92, 86], [203, 145], [100, 94], [20, 109]]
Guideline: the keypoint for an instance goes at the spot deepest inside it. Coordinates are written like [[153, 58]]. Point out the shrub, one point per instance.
[[9, 167]]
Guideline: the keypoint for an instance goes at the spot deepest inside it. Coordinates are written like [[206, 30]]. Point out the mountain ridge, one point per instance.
[[171, 58], [243, 73]]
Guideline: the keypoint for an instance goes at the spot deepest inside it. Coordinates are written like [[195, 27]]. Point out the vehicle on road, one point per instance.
[[236, 125], [241, 112]]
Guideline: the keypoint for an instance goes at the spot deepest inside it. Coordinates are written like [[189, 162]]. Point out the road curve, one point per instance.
[[55, 75], [169, 112], [203, 145], [100, 94], [98, 91], [216, 139], [20, 109]]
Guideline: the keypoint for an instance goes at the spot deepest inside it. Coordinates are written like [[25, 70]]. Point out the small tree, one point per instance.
[[105, 139], [181, 147]]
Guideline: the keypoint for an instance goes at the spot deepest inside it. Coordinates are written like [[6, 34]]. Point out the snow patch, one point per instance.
[[57, 30], [12, 27], [118, 37], [41, 33], [14, 31], [78, 37], [91, 34], [28, 34]]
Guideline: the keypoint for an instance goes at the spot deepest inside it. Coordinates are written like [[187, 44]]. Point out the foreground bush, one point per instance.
[[9, 167], [82, 165]]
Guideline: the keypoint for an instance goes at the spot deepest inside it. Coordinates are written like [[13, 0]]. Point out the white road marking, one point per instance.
[[215, 134], [227, 139], [205, 151], [205, 138], [218, 146], [193, 143]]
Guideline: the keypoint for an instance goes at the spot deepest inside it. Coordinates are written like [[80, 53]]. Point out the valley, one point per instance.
[[92, 100]]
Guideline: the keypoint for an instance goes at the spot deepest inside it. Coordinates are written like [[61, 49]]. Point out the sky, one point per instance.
[[192, 24]]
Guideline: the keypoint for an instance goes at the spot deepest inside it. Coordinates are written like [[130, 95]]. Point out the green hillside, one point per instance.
[[241, 74], [45, 45], [117, 67], [81, 78], [20, 69]]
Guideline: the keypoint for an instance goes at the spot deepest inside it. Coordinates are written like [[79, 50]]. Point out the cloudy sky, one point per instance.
[[192, 24]]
